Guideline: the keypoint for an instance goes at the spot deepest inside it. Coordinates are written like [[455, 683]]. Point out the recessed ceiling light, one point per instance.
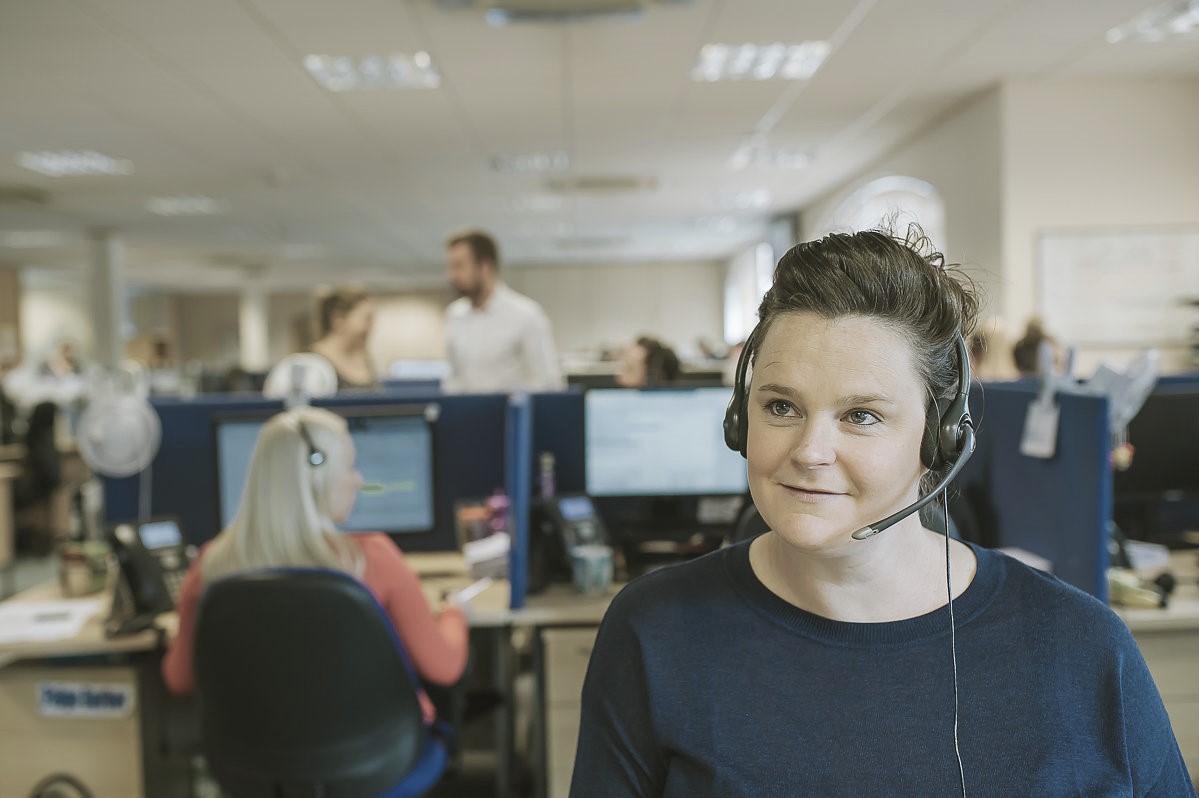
[[73, 163], [396, 71], [539, 203], [1174, 20], [186, 205], [759, 61], [531, 163], [33, 239], [743, 200]]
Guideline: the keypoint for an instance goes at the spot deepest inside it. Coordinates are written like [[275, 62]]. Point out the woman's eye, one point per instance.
[[778, 407], [862, 418]]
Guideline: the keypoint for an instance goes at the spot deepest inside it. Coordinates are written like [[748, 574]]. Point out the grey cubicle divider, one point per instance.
[[1058, 508]]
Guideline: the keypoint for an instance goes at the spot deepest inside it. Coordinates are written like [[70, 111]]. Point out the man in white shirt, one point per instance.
[[499, 341]]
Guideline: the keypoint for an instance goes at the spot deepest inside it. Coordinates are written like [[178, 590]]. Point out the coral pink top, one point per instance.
[[436, 645]]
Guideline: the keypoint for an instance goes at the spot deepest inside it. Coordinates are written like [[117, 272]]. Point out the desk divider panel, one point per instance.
[[469, 458], [519, 427], [1058, 508], [183, 474]]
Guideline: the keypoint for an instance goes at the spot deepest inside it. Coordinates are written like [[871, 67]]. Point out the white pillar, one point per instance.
[[253, 330], [108, 297]]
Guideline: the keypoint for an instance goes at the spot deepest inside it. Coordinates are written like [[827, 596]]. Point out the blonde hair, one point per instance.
[[284, 518]]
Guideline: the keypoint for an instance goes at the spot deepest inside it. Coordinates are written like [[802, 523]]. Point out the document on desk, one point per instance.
[[44, 621]]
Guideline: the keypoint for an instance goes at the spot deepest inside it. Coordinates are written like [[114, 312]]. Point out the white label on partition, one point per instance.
[[1040, 429], [78, 700]]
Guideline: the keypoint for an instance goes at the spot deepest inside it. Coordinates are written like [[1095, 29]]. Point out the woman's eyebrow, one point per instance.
[[773, 387], [867, 399]]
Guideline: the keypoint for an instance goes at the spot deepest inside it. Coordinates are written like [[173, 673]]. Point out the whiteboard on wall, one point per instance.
[[1119, 288]]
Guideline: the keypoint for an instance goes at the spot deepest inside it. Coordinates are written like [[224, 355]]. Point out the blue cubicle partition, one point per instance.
[[518, 486], [1058, 508], [558, 429], [469, 457], [183, 475]]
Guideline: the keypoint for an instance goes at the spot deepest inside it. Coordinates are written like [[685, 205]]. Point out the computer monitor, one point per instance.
[[394, 445], [1165, 440], [659, 442]]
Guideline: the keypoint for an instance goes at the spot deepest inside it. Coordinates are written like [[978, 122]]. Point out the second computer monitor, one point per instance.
[[666, 442], [394, 446]]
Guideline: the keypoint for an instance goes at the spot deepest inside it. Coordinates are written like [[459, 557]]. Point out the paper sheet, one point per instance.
[[44, 621]]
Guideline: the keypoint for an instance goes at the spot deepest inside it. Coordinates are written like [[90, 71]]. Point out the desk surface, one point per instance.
[[559, 605], [1182, 614]]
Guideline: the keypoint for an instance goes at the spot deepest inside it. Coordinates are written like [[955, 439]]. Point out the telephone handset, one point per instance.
[[152, 560]]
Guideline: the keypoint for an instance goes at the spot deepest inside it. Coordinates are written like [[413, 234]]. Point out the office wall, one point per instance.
[[962, 156], [609, 304], [55, 307], [10, 313], [409, 325], [1098, 155], [207, 328]]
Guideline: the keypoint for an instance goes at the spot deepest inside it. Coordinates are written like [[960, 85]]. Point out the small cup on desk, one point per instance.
[[592, 566], [83, 567]]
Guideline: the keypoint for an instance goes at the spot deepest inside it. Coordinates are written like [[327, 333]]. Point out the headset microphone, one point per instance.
[[891, 520]]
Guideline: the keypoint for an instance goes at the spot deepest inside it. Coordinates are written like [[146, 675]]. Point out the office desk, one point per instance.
[[115, 755], [1169, 641]]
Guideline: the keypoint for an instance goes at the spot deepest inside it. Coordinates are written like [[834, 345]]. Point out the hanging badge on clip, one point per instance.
[[1040, 428]]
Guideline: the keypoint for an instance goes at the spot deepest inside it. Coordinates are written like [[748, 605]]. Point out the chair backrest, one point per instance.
[[749, 523], [303, 687]]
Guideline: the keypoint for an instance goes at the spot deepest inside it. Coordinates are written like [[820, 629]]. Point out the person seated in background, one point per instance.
[[347, 316], [1025, 352], [63, 362], [302, 483], [647, 363]]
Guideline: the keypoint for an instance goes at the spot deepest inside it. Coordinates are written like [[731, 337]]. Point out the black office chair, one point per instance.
[[749, 523], [303, 689]]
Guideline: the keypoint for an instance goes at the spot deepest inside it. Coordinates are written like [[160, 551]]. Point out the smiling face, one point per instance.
[[836, 413]]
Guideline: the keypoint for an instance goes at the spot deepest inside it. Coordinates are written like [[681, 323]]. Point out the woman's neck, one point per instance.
[[876, 581], [340, 345]]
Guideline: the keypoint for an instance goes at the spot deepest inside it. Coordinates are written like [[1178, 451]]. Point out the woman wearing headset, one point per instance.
[[838, 654], [302, 483]]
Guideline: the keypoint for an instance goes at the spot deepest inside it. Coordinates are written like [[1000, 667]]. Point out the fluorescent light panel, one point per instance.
[[743, 200], [396, 71], [1179, 19], [759, 61], [756, 153], [186, 205], [73, 163], [531, 163]]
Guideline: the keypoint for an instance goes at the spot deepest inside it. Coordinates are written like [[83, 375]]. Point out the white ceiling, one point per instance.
[[212, 98]]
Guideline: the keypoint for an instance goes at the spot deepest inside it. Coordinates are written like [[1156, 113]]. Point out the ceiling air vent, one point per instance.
[[26, 196]]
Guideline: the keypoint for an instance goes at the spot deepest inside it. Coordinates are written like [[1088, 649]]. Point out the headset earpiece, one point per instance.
[[736, 416], [949, 423]]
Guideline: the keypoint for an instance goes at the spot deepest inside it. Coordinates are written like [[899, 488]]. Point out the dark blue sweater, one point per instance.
[[704, 683]]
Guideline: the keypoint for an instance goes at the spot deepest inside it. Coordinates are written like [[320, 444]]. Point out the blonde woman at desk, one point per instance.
[[302, 483], [843, 655]]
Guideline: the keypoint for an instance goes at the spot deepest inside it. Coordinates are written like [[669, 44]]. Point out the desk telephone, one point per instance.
[[152, 560], [559, 524]]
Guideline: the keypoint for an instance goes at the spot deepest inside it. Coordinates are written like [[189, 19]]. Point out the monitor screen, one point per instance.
[[394, 454], [1165, 440], [576, 508], [667, 442], [160, 534]]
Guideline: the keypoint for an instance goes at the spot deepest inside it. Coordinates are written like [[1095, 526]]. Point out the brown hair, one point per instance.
[[482, 246], [901, 281], [1026, 351], [661, 362], [335, 301]]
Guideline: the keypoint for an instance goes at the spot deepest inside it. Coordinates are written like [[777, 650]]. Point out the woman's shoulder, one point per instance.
[[1047, 600], [377, 544], [686, 586]]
